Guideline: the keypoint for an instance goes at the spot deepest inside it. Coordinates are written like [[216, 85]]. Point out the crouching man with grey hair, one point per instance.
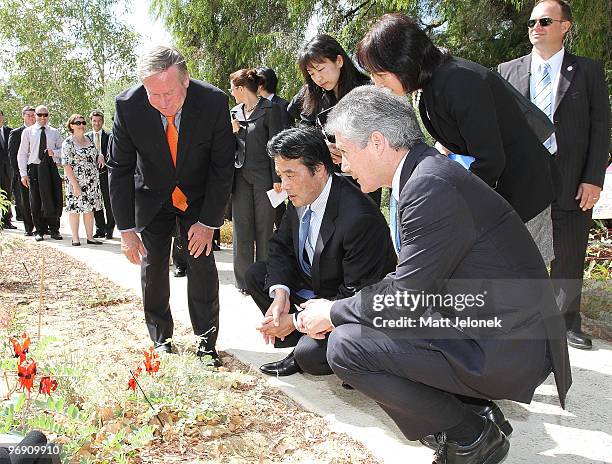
[[469, 302]]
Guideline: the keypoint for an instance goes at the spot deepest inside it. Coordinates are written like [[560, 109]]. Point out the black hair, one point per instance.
[[315, 51], [397, 44], [270, 81], [303, 143]]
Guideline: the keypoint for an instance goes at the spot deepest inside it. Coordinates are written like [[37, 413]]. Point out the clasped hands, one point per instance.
[[313, 320]]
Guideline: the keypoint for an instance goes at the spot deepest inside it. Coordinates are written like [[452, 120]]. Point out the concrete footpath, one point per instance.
[[543, 432]]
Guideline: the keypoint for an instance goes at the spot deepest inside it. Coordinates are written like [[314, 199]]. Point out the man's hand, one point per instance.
[[25, 181], [336, 154], [101, 162], [315, 320], [200, 239], [587, 195], [132, 247], [270, 331], [279, 307], [278, 187]]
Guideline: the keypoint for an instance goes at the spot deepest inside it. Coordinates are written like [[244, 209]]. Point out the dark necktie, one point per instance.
[[42, 146]]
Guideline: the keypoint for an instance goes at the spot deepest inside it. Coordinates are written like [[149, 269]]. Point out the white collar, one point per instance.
[[555, 61], [319, 204], [395, 184], [270, 97]]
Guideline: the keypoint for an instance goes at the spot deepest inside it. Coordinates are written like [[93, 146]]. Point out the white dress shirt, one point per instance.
[[30, 141], [318, 211], [555, 62]]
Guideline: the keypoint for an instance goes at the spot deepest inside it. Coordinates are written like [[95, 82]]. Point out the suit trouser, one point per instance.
[[202, 281], [6, 184], [310, 354], [22, 202], [105, 226], [570, 240], [252, 221], [42, 224]]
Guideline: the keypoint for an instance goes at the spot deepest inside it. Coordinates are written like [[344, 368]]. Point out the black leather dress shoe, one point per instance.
[[38, 237], [109, 236], [180, 272], [56, 236], [99, 235], [28, 233], [579, 340], [10, 226], [490, 448], [163, 348], [284, 367], [491, 412], [215, 360]]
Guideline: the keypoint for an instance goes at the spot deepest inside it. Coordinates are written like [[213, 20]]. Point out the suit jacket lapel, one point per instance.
[[568, 70], [523, 76], [327, 229], [189, 117], [152, 118]]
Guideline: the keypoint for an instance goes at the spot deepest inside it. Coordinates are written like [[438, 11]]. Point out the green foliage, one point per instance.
[[61, 54]]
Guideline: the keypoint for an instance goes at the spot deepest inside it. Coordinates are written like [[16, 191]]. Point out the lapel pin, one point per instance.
[[569, 68]]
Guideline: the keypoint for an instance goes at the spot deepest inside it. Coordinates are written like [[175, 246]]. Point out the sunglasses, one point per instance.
[[544, 22], [42, 115], [79, 123]]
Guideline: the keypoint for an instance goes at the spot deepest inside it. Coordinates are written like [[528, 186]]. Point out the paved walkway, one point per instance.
[[543, 432]]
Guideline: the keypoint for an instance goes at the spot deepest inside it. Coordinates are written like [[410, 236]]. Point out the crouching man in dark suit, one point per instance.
[[332, 241], [411, 342]]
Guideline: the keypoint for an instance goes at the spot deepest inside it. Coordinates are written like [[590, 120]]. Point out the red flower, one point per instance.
[[132, 381], [47, 385], [21, 349], [26, 372], [151, 362]]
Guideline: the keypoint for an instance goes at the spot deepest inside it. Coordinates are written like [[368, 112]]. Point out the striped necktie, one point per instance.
[[303, 236], [179, 200], [543, 95], [394, 226]]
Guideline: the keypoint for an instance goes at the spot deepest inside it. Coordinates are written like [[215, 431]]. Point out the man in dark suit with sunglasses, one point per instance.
[[572, 91]]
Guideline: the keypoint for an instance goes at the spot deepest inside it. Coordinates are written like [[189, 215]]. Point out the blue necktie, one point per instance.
[[543, 95], [393, 219], [304, 229]]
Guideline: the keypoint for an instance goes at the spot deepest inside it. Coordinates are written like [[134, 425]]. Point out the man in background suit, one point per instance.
[[20, 191], [332, 242], [6, 172], [100, 138], [572, 91], [172, 158], [457, 238], [38, 156]]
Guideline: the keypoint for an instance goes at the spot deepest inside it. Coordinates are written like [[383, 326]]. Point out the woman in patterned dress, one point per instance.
[[83, 194]]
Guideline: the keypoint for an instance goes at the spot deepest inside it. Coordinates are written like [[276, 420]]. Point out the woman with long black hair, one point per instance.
[[467, 108], [329, 74]]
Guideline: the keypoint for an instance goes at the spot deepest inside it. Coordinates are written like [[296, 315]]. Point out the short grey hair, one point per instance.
[[158, 59], [368, 109]]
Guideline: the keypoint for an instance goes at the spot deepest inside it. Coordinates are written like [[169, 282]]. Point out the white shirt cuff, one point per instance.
[[210, 227], [274, 287]]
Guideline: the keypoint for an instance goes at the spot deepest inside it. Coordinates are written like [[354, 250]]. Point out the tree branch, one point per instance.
[[356, 9]]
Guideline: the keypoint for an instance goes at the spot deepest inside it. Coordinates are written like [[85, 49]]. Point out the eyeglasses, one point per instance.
[[42, 115], [79, 123], [544, 22]]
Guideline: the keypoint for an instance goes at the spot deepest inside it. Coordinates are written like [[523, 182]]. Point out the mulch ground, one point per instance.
[[100, 327]]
